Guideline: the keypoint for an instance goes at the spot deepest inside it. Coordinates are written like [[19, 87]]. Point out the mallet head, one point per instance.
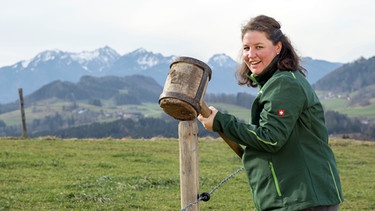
[[184, 88]]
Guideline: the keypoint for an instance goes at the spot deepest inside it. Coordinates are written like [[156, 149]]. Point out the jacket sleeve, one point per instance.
[[280, 105]]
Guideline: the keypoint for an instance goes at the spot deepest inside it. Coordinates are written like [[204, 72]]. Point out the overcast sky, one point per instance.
[[332, 30]]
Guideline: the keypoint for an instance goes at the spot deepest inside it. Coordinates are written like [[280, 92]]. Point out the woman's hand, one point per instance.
[[208, 122]]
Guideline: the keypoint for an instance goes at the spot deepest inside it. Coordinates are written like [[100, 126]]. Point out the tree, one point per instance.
[[95, 102]]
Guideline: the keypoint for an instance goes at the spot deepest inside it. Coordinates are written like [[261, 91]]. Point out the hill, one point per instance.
[[349, 77], [317, 69], [112, 90], [350, 89], [135, 88]]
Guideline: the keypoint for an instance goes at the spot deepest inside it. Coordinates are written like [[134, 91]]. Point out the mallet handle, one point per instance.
[[206, 112]]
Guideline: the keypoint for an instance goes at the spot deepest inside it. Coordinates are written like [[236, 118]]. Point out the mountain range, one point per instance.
[[52, 65]]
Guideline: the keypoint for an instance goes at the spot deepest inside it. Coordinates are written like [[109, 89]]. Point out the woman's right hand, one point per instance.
[[207, 122]]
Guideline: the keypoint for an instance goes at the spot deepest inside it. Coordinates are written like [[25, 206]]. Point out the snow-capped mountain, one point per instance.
[[143, 62], [223, 75], [52, 65], [99, 60], [145, 59], [221, 61]]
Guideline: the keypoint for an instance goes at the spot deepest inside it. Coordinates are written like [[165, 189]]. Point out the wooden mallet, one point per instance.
[[183, 93]]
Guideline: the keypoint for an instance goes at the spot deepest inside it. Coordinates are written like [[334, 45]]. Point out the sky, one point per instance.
[[331, 30]]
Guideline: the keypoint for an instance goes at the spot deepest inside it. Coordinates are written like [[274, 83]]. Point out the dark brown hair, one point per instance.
[[288, 58]]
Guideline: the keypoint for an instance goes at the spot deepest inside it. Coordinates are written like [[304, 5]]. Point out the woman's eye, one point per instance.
[[245, 48]]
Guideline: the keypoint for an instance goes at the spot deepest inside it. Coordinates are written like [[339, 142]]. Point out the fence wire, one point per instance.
[[206, 195]]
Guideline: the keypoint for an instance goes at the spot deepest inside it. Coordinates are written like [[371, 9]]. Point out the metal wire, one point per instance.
[[204, 195]]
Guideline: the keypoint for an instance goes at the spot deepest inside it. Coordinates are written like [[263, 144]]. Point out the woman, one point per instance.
[[288, 161]]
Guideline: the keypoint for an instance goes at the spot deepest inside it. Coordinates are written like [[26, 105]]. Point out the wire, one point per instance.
[[205, 196]]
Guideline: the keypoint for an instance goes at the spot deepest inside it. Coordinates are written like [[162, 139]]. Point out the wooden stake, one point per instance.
[[189, 165], [23, 118]]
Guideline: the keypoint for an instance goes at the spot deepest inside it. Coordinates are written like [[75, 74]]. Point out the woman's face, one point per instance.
[[258, 51]]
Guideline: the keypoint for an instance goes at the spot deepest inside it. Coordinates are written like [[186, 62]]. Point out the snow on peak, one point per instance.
[[140, 51], [25, 63], [148, 60], [87, 59], [144, 58], [85, 56], [109, 51], [44, 56], [220, 58], [47, 56], [105, 55]]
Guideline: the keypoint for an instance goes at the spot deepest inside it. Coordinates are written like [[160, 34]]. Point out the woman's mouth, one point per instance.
[[255, 63]]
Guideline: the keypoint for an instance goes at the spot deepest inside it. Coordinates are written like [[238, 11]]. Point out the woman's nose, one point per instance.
[[250, 54]]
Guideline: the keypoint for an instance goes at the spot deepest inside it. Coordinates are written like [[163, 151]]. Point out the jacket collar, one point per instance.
[[262, 78]]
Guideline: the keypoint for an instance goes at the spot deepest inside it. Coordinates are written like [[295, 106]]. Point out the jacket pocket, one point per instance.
[[275, 180]]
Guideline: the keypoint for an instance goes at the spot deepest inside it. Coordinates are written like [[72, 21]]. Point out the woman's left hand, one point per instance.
[[208, 122]]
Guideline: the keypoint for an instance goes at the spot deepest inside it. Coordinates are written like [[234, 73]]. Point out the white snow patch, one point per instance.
[[221, 59], [85, 56], [149, 61], [25, 63]]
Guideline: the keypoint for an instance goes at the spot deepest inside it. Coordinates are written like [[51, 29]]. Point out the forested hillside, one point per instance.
[[353, 87], [135, 89], [349, 77]]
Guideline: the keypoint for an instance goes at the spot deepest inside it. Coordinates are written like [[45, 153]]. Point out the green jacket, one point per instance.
[[288, 161]]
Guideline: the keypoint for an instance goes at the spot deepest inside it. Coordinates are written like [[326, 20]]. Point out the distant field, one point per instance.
[[49, 108], [106, 174], [341, 106]]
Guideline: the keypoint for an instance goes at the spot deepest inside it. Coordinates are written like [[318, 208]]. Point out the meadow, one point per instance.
[[126, 174]]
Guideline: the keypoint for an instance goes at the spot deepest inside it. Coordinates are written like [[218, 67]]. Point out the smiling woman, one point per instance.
[[289, 164]]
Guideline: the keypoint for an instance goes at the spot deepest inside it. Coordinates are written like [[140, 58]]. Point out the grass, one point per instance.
[[107, 174], [240, 112], [341, 106]]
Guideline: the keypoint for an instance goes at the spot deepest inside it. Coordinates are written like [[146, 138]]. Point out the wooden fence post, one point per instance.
[[189, 165], [24, 131]]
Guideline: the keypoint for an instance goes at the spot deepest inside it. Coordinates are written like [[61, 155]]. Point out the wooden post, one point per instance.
[[189, 168], [24, 131]]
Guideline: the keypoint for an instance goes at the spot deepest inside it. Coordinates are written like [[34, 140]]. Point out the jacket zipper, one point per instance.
[[275, 178]]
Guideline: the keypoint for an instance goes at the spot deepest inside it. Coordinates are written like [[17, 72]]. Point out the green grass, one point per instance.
[[334, 104], [341, 106], [106, 174], [238, 111]]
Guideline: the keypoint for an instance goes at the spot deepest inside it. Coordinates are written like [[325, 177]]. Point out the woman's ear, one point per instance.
[[279, 46]]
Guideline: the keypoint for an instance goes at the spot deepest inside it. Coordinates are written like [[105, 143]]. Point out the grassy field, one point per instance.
[[51, 107], [341, 106], [106, 174]]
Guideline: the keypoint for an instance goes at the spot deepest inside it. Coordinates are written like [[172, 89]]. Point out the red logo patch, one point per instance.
[[281, 112]]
